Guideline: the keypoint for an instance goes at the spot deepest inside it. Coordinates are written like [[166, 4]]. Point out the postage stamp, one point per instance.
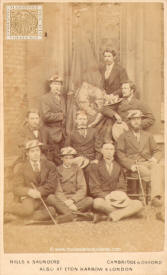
[[24, 22]]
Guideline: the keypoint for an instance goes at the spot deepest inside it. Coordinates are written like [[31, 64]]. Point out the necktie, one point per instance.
[[36, 166]]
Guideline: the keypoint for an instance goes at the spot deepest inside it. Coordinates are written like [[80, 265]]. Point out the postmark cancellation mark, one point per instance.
[[24, 22]]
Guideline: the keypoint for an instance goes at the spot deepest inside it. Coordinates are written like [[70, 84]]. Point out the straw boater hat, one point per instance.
[[32, 143], [118, 199], [55, 78], [134, 114], [68, 151]]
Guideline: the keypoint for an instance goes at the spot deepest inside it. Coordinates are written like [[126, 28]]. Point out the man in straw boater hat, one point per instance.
[[130, 102], [34, 181], [108, 188], [73, 188], [137, 151], [52, 110]]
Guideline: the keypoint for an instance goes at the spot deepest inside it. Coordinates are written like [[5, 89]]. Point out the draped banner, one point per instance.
[[85, 68]]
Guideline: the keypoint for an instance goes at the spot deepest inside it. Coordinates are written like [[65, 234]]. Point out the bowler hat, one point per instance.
[[32, 143], [134, 114]]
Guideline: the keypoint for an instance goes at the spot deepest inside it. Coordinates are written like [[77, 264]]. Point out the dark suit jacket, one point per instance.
[[52, 110], [88, 146], [53, 115], [26, 134], [129, 149], [46, 182], [102, 183], [136, 104], [117, 76]]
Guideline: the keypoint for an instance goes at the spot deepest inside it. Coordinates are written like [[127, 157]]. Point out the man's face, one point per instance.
[[67, 160], [34, 153], [33, 120], [108, 151], [56, 87], [108, 58], [135, 123], [82, 121], [126, 90]]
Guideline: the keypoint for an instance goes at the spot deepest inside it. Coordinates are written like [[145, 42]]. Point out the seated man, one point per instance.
[[130, 102], [85, 140], [31, 130], [119, 112], [108, 187], [72, 190], [36, 178], [136, 148]]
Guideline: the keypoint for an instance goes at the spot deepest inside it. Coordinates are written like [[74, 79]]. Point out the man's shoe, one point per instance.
[[84, 217], [99, 218], [160, 216], [64, 218], [157, 202], [9, 217], [37, 222]]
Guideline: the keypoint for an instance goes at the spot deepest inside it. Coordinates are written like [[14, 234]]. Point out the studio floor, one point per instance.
[[136, 234]]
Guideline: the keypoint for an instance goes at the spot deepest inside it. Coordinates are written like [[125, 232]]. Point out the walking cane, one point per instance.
[[50, 214], [141, 185]]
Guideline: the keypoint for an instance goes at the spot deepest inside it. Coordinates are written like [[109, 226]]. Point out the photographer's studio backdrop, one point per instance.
[[74, 37]]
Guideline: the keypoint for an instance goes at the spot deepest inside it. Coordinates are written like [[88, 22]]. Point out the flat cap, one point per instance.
[[68, 151], [134, 114]]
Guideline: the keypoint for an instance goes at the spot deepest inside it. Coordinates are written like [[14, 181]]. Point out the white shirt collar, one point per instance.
[[32, 165]]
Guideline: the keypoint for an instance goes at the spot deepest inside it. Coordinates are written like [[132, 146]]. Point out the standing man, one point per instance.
[[139, 145], [73, 189], [130, 102], [108, 187], [53, 112], [113, 74]]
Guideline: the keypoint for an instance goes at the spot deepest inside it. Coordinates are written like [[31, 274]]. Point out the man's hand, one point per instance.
[[133, 168], [35, 194], [69, 202], [71, 205], [118, 118], [94, 161]]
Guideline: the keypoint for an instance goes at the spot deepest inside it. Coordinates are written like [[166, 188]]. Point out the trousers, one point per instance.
[[103, 206]]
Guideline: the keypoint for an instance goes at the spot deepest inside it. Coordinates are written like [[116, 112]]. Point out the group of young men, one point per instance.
[[82, 176]]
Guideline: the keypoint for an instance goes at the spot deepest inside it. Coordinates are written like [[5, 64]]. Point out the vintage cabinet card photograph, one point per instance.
[[83, 94]]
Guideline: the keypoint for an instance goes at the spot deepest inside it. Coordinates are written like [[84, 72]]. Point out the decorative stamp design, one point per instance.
[[24, 22]]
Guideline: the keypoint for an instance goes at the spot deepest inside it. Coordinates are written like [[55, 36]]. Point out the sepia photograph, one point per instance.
[[84, 127]]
